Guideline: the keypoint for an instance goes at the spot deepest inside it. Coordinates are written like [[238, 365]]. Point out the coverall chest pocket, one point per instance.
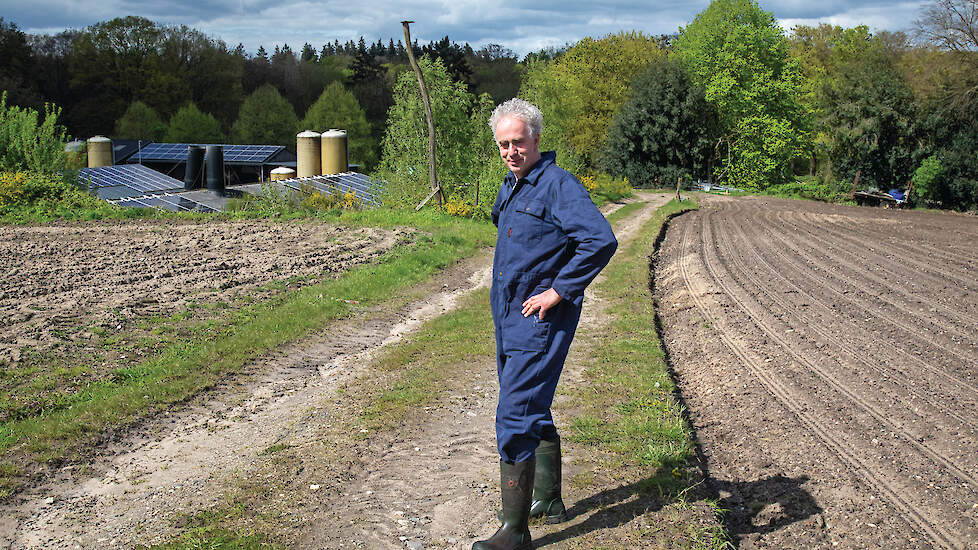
[[529, 220]]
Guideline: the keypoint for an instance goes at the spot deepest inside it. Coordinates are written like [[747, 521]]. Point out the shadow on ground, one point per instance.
[[754, 507], [617, 506], [764, 505]]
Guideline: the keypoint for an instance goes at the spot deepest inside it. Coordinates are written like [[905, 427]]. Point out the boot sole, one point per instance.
[[560, 518]]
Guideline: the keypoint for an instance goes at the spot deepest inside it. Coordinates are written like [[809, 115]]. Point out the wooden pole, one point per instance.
[[679, 184], [432, 174], [855, 183]]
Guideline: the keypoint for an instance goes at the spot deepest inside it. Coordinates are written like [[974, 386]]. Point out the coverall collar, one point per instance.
[[546, 159]]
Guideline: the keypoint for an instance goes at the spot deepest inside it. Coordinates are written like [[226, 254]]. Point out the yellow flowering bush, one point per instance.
[[27, 195], [19, 188], [13, 187], [606, 186], [327, 201], [589, 183], [455, 207]]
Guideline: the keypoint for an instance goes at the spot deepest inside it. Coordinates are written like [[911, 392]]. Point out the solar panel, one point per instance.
[[162, 151], [362, 185], [252, 154], [173, 203], [177, 152], [134, 176], [116, 192]]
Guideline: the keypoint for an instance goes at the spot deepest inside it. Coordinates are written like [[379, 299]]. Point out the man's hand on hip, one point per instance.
[[540, 303]]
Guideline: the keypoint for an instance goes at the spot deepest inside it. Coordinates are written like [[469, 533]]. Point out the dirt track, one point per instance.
[[433, 483], [829, 360]]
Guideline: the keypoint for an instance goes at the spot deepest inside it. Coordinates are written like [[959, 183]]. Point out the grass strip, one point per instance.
[[421, 365], [627, 409], [187, 367], [627, 405]]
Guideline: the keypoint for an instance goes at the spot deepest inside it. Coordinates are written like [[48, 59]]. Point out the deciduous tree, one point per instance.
[[737, 52], [140, 122], [580, 91], [266, 118], [868, 122], [404, 163], [190, 125], [665, 130]]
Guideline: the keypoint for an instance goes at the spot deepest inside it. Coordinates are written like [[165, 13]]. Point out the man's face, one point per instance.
[[518, 150]]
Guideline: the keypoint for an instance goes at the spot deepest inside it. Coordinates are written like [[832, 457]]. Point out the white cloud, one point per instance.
[[892, 17], [479, 22]]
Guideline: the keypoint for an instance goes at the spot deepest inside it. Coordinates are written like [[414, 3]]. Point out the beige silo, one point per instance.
[[99, 151], [282, 173], [307, 154], [334, 152]]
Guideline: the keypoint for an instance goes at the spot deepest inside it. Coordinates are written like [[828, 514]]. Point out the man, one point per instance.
[[551, 243]]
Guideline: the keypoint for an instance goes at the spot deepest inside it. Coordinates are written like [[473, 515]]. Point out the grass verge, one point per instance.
[[628, 404], [201, 360], [626, 411]]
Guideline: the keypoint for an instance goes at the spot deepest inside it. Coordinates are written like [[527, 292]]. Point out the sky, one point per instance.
[[526, 28]]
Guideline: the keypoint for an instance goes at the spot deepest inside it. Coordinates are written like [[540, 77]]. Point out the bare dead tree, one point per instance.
[[432, 171], [950, 24]]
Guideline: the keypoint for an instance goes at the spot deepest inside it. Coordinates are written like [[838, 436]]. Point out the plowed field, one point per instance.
[[829, 359]]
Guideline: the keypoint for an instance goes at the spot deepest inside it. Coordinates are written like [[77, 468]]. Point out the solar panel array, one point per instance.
[[177, 152], [138, 179], [137, 186], [364, 187]]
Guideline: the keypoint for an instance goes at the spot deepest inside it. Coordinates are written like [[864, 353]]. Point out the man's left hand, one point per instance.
[[540, 303]]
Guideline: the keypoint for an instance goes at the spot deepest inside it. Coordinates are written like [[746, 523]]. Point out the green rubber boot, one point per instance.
[[546, 485], [515, 484]]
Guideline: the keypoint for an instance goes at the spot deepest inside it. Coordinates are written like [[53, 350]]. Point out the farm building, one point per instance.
[[172, 176]]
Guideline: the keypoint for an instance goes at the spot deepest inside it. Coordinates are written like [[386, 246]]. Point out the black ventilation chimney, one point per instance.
[[193, 178], [215, 168]]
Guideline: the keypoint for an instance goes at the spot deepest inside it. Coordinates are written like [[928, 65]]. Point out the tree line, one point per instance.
[[731, 97], [133, 78]]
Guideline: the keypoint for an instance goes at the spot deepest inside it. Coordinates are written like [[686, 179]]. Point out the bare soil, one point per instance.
[[61, 281], [275, 441], [828, 357]]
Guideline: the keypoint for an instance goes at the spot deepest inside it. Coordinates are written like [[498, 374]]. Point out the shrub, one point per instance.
[[331, 201], [455, 207], [927, 177], [808, 188], [31, 196], [22, 188], [609, 188], [28, 142]]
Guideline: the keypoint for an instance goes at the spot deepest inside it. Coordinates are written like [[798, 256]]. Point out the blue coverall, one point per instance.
[[549, 234]]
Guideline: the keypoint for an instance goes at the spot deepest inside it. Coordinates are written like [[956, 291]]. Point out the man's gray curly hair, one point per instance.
[[521, 109]]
